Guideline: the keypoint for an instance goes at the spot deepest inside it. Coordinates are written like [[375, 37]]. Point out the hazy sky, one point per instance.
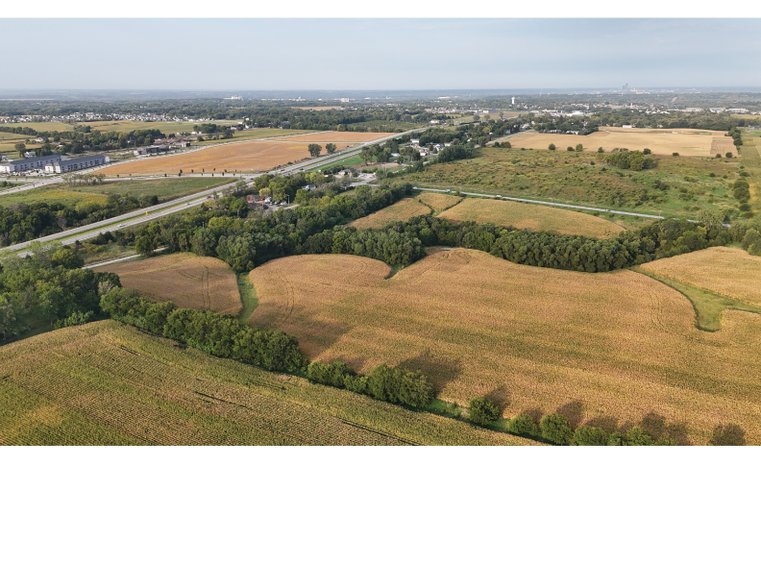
[[378, 54]]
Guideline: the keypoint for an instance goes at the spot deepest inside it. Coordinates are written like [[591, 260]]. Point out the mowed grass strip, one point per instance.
[[438, 202], [531, 216], [244, 156], [689, 142], [402, 210], [615, 350], [109, 384], [190, 281], [723, 270]]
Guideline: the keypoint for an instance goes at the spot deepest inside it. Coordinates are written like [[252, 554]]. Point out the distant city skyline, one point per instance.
[[380, 54]]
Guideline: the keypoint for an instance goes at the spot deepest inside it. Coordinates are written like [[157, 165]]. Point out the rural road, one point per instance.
[[497, 196], [544, 202]]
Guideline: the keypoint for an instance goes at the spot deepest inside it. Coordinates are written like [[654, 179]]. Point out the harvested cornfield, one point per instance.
[[531, 216], [721, 270], [243, 156], [721, 145], [692, 142], [403, 210], [439, 202], [190, 281], [614, 350], [109, 384]]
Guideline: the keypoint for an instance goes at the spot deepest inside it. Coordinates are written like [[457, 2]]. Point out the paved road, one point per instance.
[[151, 213]]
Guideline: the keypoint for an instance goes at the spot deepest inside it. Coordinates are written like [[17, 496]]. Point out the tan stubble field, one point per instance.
[[614, 349]]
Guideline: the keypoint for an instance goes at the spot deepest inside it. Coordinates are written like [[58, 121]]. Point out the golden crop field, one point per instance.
[[531, 216], [615, 350], [190, 281], [438, 201], [350, 137], [242, 156], [109, 384], [403, 210], [692, 142], [722, 270]]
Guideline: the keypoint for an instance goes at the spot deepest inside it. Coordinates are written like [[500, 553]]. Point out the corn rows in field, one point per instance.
[[217, 334], [107, 383]]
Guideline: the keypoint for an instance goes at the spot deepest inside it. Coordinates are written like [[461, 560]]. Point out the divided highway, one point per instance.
[[148, 214]]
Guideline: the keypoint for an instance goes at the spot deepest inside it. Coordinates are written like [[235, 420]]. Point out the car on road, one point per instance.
[[120, 226]]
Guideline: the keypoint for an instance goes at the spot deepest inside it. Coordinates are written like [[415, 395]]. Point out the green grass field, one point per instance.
[[109, 384], [571, 177], [164, 189], [348, 162]]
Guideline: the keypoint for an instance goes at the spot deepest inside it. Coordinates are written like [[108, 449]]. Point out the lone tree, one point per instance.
[[314, 149], [483, 411], [330, 148], [556, 428], [579, 147], [523, 424], [552, 147]]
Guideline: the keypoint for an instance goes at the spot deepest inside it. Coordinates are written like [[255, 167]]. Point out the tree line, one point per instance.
[[389, 384], [217, 334], [663, 238], [557, 428], [21, 222]]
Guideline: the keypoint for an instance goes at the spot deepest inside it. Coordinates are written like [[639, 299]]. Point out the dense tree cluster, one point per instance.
[[663, 238], [390, 384], [51, 286], [453, 153], [633, 160], [217, 230], [217, 334]]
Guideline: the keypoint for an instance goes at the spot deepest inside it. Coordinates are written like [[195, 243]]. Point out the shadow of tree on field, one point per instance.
[[729, 434], [606, 423], [656, 426], [441, 370], [534, 413], [678, 432], [573, 411], [500, 397], [323, 335]]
